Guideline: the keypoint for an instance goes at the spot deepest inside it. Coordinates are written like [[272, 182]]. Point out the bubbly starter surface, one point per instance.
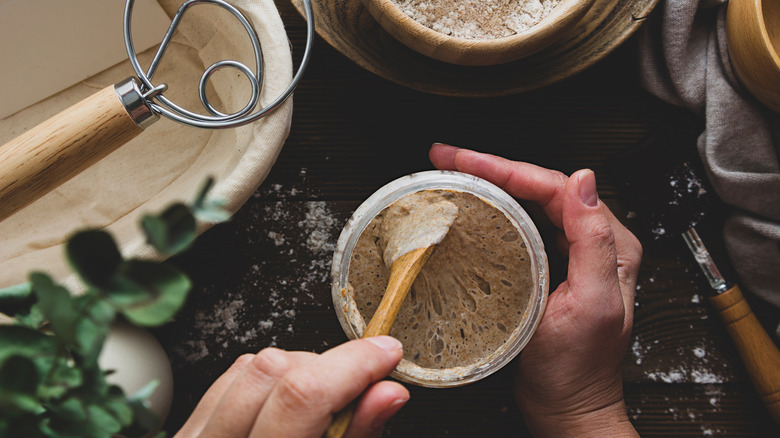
[[469, 297]]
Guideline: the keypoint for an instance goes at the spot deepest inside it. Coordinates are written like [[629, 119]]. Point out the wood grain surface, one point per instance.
[[350, 28], [263, 279]]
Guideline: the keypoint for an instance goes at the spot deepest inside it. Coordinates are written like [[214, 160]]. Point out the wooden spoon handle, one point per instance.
[[59, 148], [757, 350], [402, 275]]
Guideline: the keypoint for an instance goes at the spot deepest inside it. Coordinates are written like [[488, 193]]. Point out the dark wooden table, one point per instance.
[[263, 279]]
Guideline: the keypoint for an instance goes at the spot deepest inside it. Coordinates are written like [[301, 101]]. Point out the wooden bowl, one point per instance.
[[753, 35], [466, 51]]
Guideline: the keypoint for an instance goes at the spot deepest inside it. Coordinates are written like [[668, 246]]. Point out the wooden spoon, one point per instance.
[[402, 274], [429, 224]]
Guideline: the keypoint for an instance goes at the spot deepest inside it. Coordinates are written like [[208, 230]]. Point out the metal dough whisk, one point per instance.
[[59, 148]]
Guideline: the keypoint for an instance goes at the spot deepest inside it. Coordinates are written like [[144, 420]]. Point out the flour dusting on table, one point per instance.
[[289, 270]]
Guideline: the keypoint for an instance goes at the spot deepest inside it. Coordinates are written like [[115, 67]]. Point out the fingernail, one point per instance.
[[385, 415], [588, 193], [387, 343], [446, 145]]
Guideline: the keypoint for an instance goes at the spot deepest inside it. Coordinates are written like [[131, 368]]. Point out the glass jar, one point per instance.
[[351, 319]]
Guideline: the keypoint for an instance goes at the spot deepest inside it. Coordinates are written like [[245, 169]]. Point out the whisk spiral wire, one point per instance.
[[161, 105]]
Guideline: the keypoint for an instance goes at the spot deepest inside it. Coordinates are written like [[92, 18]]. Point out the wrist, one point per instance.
[[611, 420]]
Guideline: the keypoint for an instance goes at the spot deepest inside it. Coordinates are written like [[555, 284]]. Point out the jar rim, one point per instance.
[[353, 323]]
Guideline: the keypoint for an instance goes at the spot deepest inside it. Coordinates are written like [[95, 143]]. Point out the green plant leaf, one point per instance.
[[19, 380], [32, 344], [17, 403], [144, 420], [145, 392], [94, 255], [19, 374], [172, 231], [27, 426], [91, 329], [71, 410], [33, 319], [200, 197], [165, 286], [209, 210], [17, 299], [212, 213], [64, 376], [126, 293], [119, 406], [55, 304], [102, 420], [17, 292], [58, 427]]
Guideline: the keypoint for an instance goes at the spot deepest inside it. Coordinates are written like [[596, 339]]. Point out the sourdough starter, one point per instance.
[[469, 297]]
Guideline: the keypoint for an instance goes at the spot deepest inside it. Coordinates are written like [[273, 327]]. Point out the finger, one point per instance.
[[238, 408], [592, 277], [521, 180], [562, 244], [304, 400], [443, 156], [208, 402], [629, 254], [380, 402]]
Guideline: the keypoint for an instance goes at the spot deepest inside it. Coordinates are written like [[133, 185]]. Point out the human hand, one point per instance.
[[569, 381], [276, 393]]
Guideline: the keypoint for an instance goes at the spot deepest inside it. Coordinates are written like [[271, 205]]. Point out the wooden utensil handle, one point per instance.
[[757, 350], [402, 275], [59, 148]]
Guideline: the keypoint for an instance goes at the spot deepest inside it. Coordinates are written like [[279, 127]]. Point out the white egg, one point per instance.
[[137, 358]]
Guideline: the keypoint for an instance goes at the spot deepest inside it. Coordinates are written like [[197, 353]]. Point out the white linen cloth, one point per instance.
[[167, 162]]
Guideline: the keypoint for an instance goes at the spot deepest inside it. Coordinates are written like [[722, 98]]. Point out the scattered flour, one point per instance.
[[638, 351], [694, 368], [276, 238], [477, 19], [681, 375], [262, 305], [224, 324], [318, 223]]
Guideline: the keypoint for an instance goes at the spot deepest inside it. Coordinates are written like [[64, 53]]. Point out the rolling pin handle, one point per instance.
[[757, 350], [56, 150]]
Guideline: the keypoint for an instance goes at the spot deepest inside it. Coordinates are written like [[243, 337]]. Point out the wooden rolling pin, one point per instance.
[[757, 350], [56, 150]]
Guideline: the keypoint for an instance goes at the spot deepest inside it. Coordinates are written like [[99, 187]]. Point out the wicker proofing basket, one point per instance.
[[168, 162]]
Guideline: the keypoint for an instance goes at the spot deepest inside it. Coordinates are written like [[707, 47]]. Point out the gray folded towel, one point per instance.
[[684, 61]]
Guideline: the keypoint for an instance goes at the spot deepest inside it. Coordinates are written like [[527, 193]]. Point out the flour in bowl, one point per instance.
[[477, 19]]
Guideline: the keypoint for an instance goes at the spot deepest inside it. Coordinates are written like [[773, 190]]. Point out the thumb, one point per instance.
[[592, 276]]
